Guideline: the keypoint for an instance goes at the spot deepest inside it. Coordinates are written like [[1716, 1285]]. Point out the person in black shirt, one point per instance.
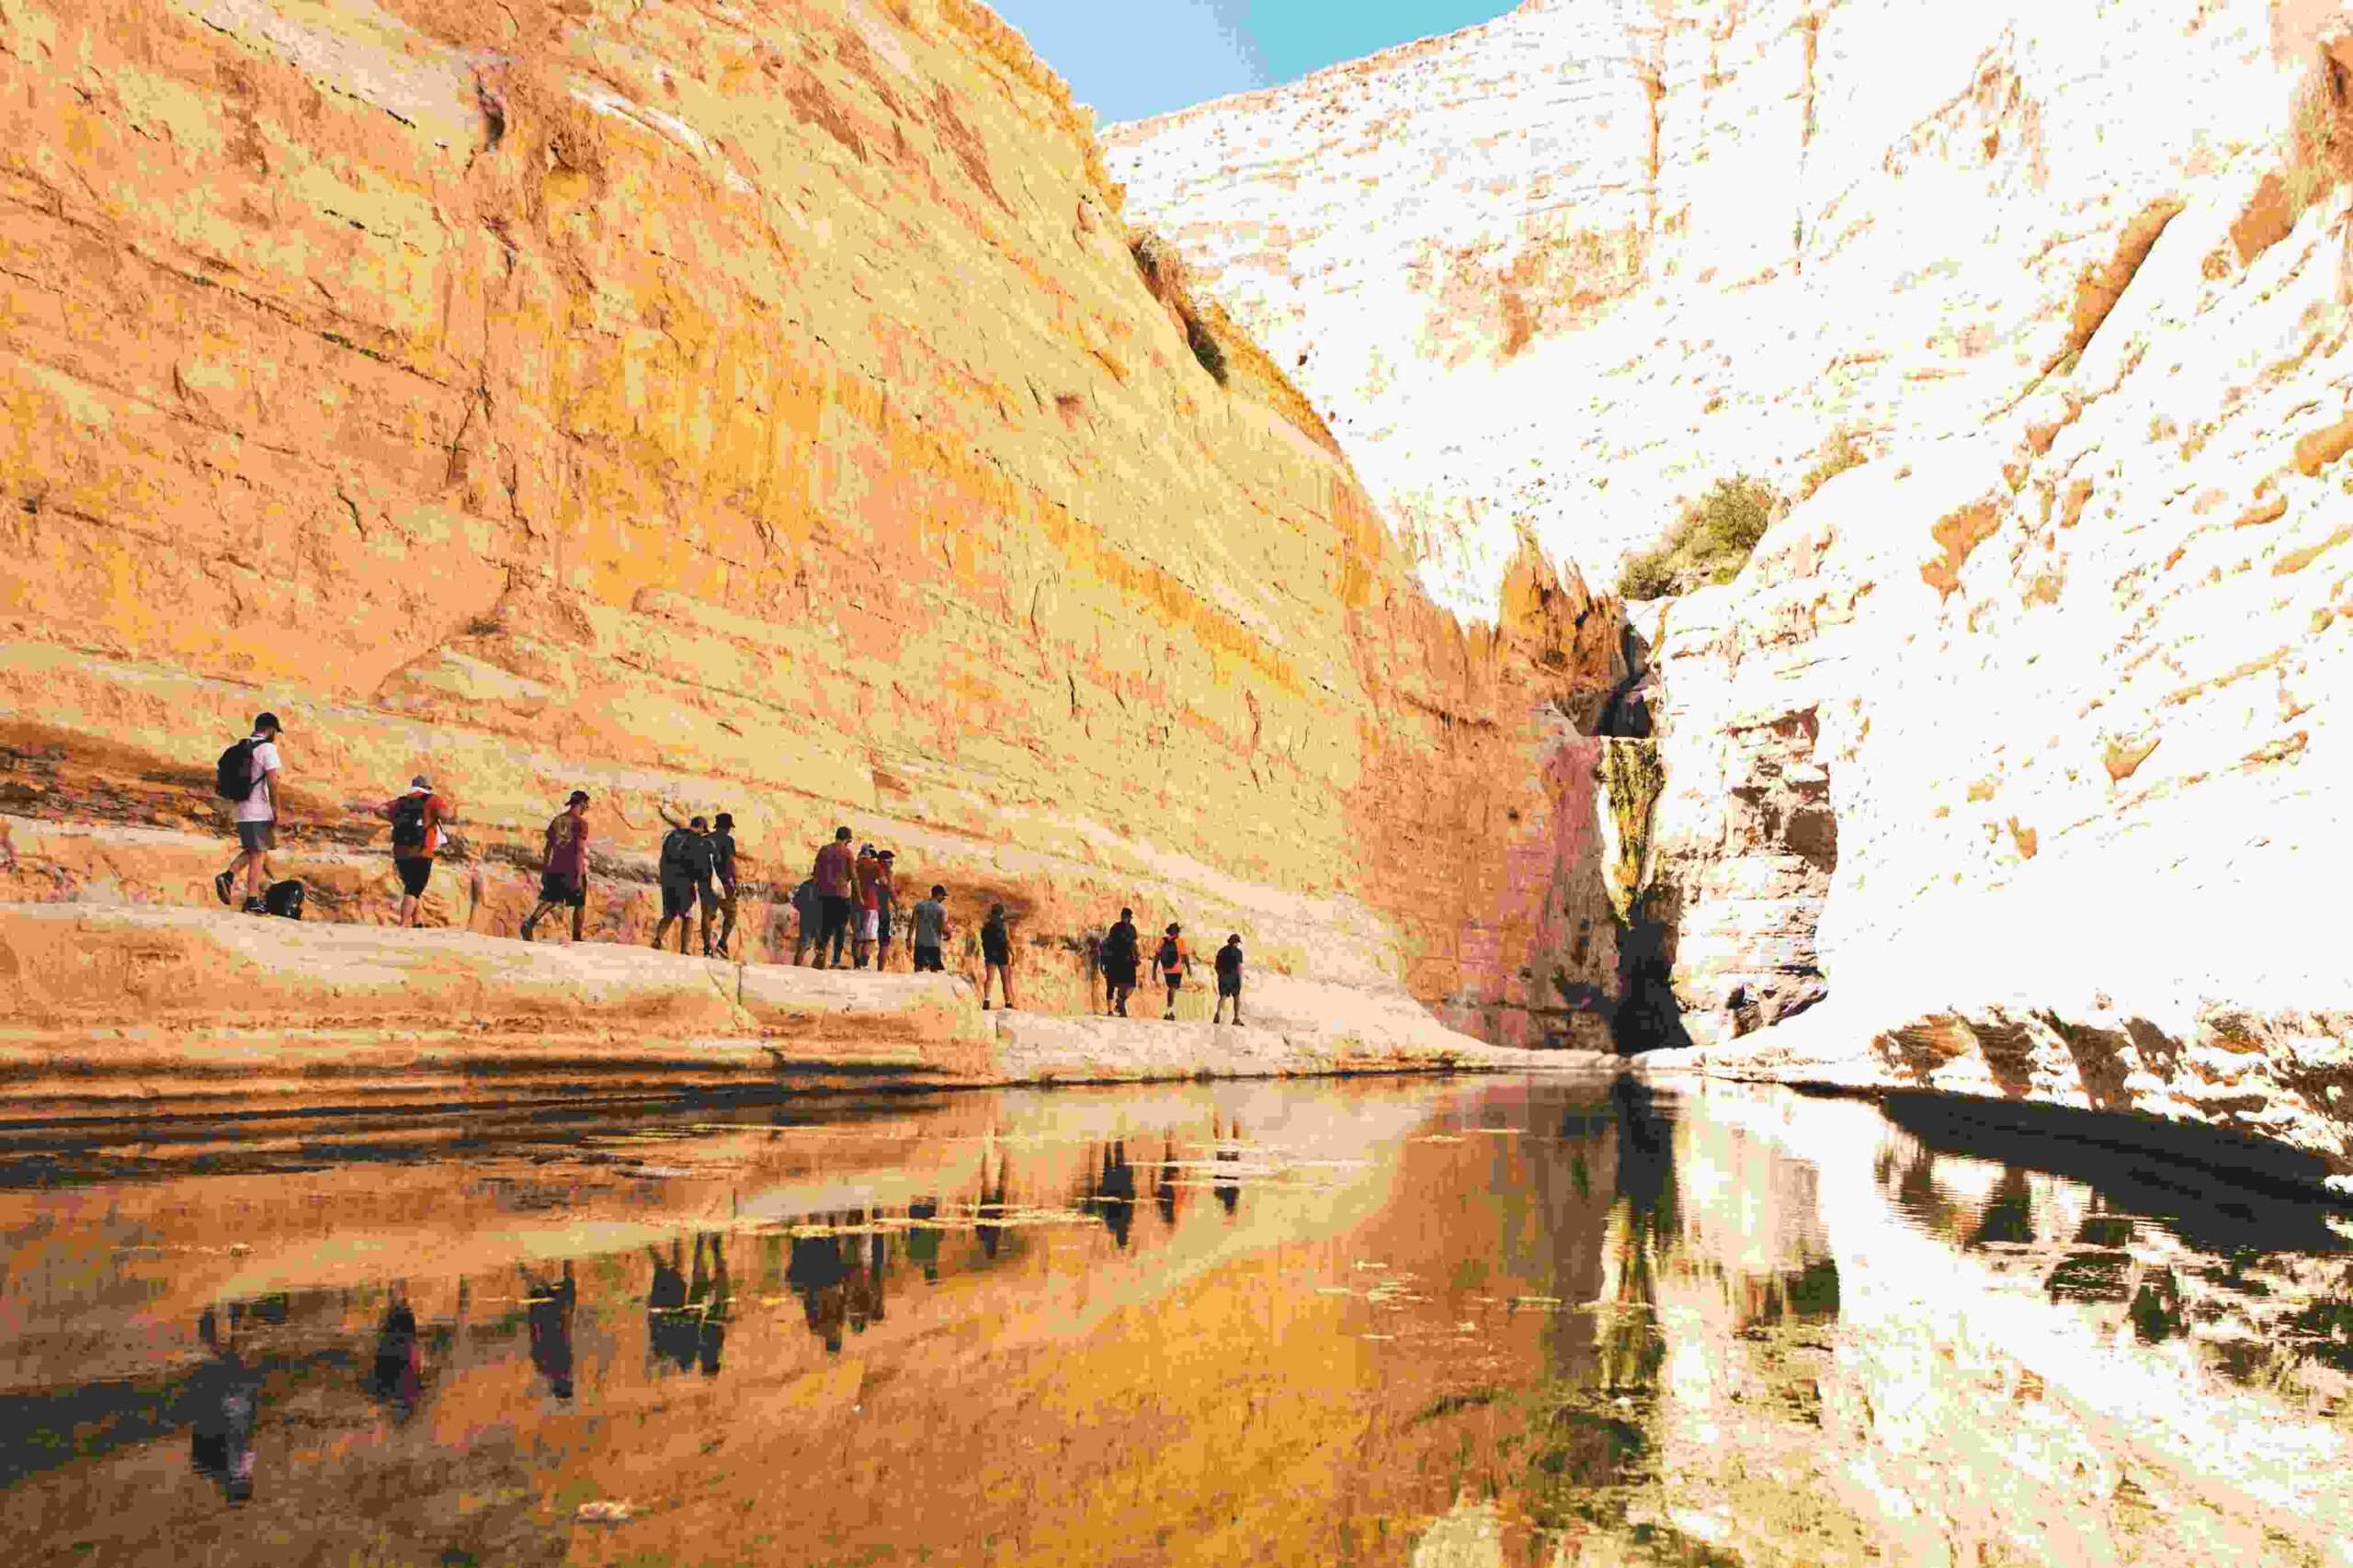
[[1229, 978], [1121, 957], [686, 860], [997, 957], [723, 863]]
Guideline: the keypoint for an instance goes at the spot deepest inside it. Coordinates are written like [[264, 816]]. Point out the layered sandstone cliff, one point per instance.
[[2006, 766], [765, 408]]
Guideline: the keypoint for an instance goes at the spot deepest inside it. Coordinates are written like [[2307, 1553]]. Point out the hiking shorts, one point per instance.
[[678, 897], [1173, 978], [1229, 986], [555, 887], [928, 961], [415, 874], [882, 924], [257, 837], [869, 922], [836, 918], [1120, 973]]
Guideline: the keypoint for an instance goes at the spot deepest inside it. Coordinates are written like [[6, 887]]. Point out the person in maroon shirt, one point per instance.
[[832, 874], [563, 877]]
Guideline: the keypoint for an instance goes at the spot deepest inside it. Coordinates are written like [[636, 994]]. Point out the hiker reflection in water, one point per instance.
[[1164, 1191], [669, 1331], [398, 1376], [707, 1303], [548, 1304], [817, 1272], [224, 1398], [862, 1288], [1628, 1339], [988, 1226], [1228, 1185], [1114, 1193], [923, 1238]]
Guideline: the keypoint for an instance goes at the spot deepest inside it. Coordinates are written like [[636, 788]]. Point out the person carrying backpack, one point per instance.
[[809, 916], [1229, 979], [1174, 960], [417, 818], [1122, 955], [563, 874], [685, 875], [247, 775], [997, 957]]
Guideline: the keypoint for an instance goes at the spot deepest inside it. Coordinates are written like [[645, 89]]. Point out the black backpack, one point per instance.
[[1168, 954], [408, 822], [285, 899], [235, 780]]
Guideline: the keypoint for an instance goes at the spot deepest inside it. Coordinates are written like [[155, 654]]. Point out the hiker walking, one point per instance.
[[1174, 961], [417, 818], [867, 876], [833, 874], [808, 915], [723, 862], [886, 907], [1229, 979], [997, 957], [1122, 956], [931, 932], [685, 875], [563, 874], [248, 775]]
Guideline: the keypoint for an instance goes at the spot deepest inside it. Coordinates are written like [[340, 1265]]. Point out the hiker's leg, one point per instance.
[[660, 933], [579, 911], [537, 914]]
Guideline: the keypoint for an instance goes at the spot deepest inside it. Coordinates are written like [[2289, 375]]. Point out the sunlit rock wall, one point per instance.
[[758, 407], [1566, 268]]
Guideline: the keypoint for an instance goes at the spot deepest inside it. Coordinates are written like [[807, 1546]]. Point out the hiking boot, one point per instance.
[[255, 906], [527, 930], [222, 883], [1168, 1017]]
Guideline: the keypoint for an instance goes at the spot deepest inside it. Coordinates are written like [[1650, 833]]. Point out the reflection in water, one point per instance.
[[549, 1305], [1111, 1192], [224, 1398], [398, 1374], [1552, 1322]]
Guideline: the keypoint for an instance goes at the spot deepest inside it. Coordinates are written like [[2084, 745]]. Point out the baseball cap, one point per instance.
[[268, 722], [577, 797], [420, 782]]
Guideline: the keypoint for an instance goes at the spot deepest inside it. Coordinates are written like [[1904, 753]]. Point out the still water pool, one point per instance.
[[1439, 1322]]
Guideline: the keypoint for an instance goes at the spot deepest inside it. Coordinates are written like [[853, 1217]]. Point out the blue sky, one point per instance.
[[1135, 58]]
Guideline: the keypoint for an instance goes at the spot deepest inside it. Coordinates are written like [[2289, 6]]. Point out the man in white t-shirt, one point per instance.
[[257, 819]]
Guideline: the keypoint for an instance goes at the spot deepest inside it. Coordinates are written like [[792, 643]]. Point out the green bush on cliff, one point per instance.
[[1709, 543]]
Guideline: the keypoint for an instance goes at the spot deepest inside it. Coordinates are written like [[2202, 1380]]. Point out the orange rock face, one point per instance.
[[760, 410]]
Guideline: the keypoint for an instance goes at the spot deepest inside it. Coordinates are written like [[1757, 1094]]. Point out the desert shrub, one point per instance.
[[1205, 348], [1843, 450], [1709, 542]]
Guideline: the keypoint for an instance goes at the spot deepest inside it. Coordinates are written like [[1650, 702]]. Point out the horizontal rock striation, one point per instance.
[[121, 1012]]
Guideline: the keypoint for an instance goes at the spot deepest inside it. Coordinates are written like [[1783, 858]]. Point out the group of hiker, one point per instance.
[[848, 899]]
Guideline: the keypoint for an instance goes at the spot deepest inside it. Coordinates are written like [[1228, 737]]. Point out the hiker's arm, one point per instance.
[[666, 816]]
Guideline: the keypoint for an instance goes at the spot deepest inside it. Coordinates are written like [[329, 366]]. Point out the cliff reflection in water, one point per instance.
[[1510, 1323]]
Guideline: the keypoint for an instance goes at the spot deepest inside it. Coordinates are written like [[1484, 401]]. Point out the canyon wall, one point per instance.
[[1561, 271], [2007, 765], [762, 409]]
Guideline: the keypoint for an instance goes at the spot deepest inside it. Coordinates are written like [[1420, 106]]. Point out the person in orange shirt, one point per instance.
[[1174, 961], [868, 878], [417, 818]]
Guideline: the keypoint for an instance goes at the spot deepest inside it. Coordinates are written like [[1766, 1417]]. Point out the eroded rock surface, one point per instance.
[[761, 408]]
